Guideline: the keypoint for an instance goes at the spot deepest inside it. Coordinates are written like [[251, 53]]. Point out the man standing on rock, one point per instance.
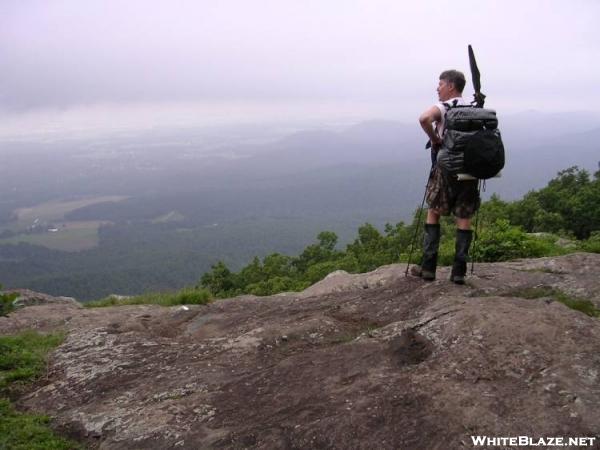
[[445, 194]]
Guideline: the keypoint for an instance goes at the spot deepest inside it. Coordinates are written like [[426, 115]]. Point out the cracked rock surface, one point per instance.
[[364, 361]]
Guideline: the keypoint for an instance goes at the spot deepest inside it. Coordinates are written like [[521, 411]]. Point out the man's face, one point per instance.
[[445, 90]]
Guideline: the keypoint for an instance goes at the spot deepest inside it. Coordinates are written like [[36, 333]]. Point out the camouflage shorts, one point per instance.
[[448, 195]]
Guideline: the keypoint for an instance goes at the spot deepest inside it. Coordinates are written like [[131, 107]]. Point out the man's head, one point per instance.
[[452, 83]]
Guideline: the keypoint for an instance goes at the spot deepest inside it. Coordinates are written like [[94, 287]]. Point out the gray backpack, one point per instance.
[[472, 142]]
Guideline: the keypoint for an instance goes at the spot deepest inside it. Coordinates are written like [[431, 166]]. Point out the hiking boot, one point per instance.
[[461, 255], [431, 242]]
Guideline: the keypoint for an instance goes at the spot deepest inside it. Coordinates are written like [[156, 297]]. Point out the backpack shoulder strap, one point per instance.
[[450, 105]]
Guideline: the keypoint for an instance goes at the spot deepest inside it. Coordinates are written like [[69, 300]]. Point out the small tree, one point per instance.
[[316, 253], [220, 281], [370, 249]]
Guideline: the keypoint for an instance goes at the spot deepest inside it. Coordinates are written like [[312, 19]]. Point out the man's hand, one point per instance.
[[436, 142]]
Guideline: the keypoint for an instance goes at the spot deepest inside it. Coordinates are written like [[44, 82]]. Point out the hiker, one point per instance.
[[445, 194]]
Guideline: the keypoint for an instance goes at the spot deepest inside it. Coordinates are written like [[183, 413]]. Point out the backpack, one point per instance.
[[472, 142]]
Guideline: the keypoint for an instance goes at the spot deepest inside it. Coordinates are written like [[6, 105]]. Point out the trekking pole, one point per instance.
[[412, 242], [476, 228]]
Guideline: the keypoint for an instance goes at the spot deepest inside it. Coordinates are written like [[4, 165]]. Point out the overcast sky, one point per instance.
[[103, 64]]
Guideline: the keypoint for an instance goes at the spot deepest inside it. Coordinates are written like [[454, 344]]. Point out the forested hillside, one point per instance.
[[562, 217]]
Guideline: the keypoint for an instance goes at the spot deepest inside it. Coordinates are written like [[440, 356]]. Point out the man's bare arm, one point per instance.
[[426, 120]]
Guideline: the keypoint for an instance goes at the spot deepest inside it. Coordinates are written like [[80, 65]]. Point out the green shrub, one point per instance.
[[592, 244], [191, 297], [219, 281], [320, 270], [276, 285], [6, 302], [503, 242]]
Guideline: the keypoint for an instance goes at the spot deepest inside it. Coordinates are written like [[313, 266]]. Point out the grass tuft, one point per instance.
[[20, 431], [186, 296], [578, 304], [22, 360], [23, 357]]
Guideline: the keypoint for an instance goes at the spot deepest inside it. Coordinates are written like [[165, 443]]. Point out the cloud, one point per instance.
[[65, 54]]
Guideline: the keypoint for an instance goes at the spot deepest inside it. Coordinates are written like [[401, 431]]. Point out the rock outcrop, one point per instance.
[[27, 297], [364, 361]]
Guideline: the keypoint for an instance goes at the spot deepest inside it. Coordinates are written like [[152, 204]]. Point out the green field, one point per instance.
[[74, 236], [67, 235], [55, 210]]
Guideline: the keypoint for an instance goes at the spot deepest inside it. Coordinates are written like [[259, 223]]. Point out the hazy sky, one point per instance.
[[103, 64]]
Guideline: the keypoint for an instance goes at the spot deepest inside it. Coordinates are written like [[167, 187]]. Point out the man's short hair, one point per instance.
[[455, 77]]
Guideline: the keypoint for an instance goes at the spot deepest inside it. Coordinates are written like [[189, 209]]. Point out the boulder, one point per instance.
[[32, 298]]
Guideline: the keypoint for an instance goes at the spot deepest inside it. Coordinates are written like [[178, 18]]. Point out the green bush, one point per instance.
[[319, 271], [569, 203], [503, 242], [592, 244], [275, 285], [220, 280], [6, 302]]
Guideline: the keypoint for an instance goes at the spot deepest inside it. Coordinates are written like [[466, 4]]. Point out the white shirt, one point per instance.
[[439, 126]]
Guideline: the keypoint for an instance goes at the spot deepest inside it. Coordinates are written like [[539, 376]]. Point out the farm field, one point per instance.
[[54, 210], [70, 237], [44, 224]]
